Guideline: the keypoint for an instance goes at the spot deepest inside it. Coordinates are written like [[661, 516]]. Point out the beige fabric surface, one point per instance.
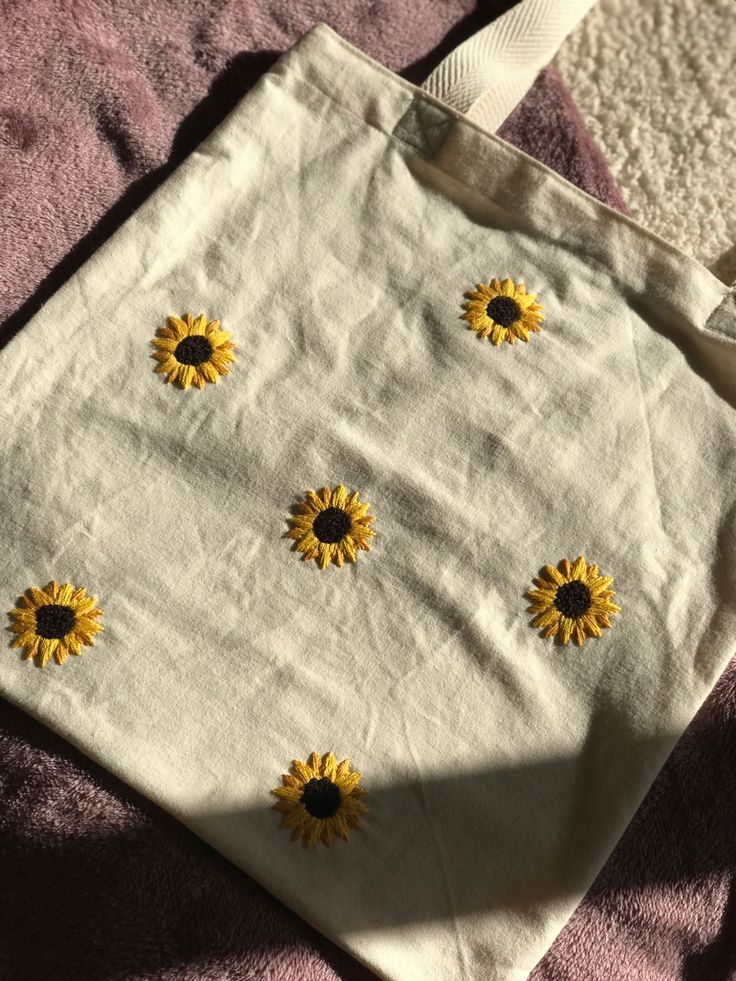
[[489, 74], [656, 84], [333, 224]]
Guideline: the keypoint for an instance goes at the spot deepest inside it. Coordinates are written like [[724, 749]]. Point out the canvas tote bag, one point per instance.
[[440, 565]]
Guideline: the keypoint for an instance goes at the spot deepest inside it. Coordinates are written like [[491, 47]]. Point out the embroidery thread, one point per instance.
[[330, 526], [502, 311], [192, 351], [320, 800], [572, 601], [55, 621]]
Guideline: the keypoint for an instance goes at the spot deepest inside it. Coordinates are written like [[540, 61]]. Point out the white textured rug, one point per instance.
[[656, 82]]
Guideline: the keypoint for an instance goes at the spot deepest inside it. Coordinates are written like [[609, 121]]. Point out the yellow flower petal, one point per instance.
[[329, 766], [348, 550], [547, 617], [288, 793], [186, 375], [65, 594], [315, 501], [47, 648], [339, 497], [209, 372], [324, 556], [304, 771], [579, 568], [178, 327], [165, 344], [592, 625], [566, 628], [348, 783]]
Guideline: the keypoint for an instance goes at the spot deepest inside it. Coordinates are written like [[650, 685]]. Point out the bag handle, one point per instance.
[[489, 74]]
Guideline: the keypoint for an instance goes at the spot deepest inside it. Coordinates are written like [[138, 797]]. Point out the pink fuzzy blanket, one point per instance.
[[99, 100]]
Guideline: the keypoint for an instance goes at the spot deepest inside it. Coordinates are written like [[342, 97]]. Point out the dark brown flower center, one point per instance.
[[573, 599], [321, 798], [503, 310], [193, 350], [54, 621], [332, 525]]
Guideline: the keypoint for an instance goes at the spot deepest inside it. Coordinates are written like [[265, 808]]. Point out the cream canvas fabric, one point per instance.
[[333, 224], [490, 73]]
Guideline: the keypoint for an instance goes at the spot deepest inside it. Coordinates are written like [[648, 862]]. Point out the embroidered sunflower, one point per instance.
[[56, 620], [320, 800], [503, 311], [330, 526], [572, 601], [192, 351]]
